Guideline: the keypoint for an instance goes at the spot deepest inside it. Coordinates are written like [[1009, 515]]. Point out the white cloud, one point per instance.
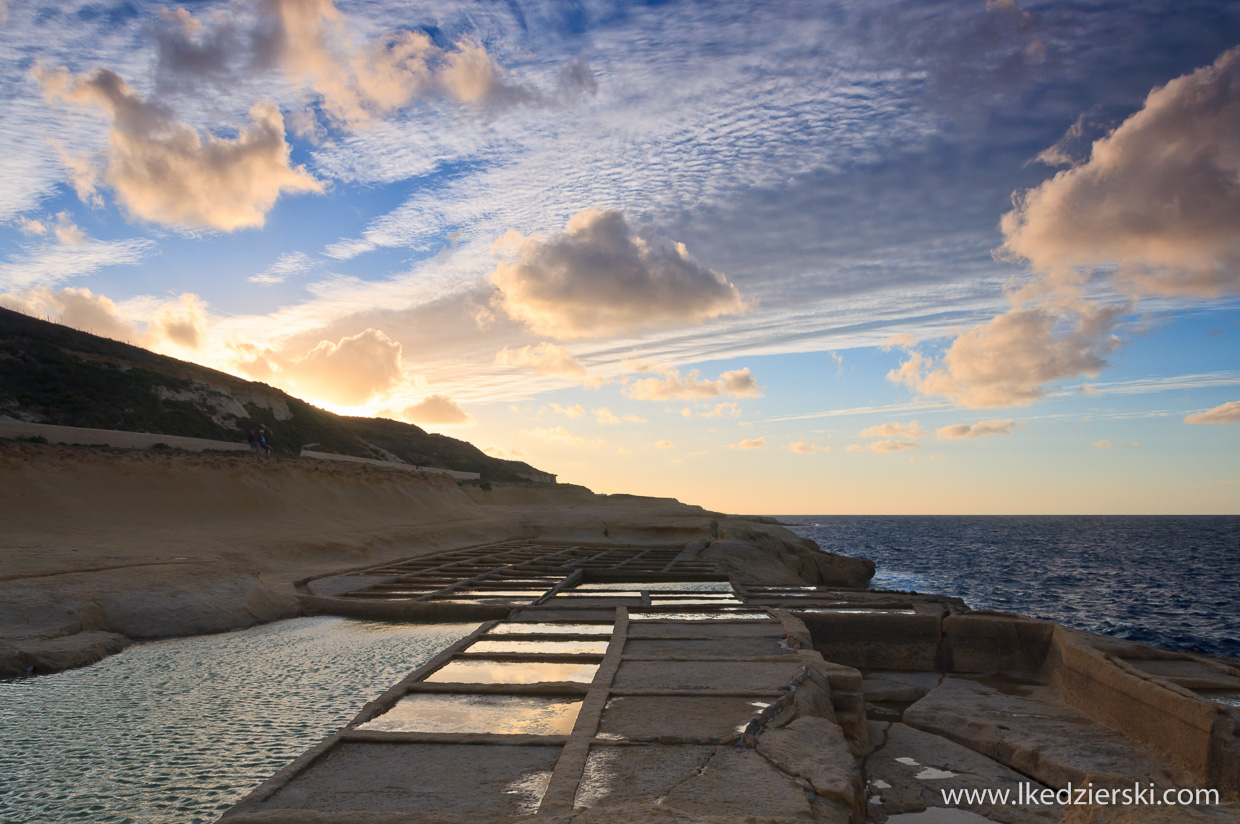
[[805, 448], [350, 371], [1157, 196], [729, 409], [182, 324], [893, 430], [47, 263], [664, 445], [752, 443], [963, 430], [1008, 361], [605, 416], [287, 265], [78, 308], [436, 409], [1224, 413], [504, 454], [575, 411], [164, 171], [672, 385], [599, 278], [545, 358], [885, 446], [1103, 444]]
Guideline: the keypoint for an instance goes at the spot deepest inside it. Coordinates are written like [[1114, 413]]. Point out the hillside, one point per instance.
[[53, 374]]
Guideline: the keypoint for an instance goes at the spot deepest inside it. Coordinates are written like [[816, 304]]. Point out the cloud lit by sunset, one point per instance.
[[755, 260]]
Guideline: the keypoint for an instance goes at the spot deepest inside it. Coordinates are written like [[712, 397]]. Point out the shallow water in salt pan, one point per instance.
[[500, 714], [511, 672], [176, 732]]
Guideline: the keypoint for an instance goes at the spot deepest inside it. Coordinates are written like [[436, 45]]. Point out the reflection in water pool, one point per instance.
[[511, 672], [532, 628], [699, 616], [504, 714], [176, 732], [547, 647]]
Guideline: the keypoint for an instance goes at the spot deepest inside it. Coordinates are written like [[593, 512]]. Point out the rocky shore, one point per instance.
[[736, 673], [102, 547]]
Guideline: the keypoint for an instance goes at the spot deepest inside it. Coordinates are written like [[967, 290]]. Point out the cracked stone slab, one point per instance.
[[690, 675], [1028, 728], [816, 751], [679, 718], [908, 770], [453, 778], [716, 782], [742, 647]]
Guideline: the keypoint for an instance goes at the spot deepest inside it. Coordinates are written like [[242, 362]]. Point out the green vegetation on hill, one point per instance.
[[53, 374]]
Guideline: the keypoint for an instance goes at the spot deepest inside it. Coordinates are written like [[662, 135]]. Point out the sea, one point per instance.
[[1171, 581]]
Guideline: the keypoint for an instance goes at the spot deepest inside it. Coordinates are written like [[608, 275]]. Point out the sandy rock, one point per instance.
[[907, 771], [815, 750], [40, 655], [1027, 728]]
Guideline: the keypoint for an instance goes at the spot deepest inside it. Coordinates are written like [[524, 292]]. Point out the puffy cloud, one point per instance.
[[575, 411], [893, 430], [505, 454], [664, 445], [546, 358], [599, 278], [310, 42], [804, 448], [348, 372], [1224, 413], [164, 171], [605, 416], [1158, 196], [30, 226], [183, 324], [752, 443], [1103, 444], [737, 383], [78, 308], [729, 409], [65, 230], [963, 430], [436, 409], [1007, 361], [889, 445]]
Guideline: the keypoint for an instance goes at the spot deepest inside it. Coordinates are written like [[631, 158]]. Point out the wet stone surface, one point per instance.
[[702, 780], [718, 675], [457, 778], [702, 718], [465, 713], [511, 672]]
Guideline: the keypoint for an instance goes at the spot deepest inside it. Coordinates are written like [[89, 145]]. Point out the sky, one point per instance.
[[873, 257]]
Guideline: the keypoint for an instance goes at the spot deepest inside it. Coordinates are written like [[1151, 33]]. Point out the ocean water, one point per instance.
[[1169, 581], [176, 732]]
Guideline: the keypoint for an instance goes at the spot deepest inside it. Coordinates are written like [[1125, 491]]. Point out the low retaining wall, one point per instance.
[[331, 456], [112, 437]]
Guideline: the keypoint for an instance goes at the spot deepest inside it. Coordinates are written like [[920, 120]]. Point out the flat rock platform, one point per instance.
[[634, 684]]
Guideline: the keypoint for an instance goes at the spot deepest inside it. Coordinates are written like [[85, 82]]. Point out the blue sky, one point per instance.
[[816, 257]]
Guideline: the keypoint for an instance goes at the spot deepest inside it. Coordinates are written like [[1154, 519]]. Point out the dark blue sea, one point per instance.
[[1164, 580]]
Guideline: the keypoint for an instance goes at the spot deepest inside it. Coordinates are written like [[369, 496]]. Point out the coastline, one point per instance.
[[106, 547], [103, 547]]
